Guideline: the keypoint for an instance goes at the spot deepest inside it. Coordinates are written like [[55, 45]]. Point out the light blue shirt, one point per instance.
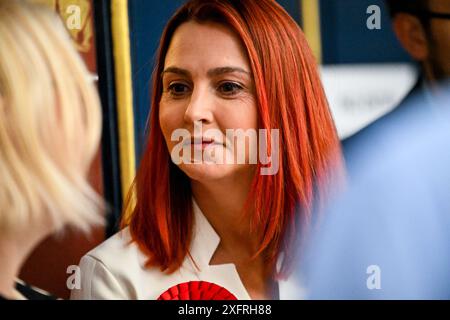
[[388, 236]]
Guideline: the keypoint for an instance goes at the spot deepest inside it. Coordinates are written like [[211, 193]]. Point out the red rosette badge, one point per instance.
[[197, 290]]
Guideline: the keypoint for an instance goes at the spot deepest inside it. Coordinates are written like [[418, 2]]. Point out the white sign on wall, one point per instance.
[[360, 94]]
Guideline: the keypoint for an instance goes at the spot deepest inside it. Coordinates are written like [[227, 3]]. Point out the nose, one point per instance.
[[200, 107]]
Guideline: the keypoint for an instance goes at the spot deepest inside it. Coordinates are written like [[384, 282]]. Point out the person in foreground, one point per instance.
[[204, 219], [388, 236], [50, 125]]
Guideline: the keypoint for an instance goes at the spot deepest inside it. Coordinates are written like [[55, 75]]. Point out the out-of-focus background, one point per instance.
[[364, 70]]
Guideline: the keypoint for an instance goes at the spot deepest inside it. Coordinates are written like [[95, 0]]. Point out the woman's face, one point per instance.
[[208, 89]]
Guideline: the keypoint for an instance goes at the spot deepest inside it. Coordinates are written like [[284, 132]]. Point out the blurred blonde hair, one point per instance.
[[50, 123]]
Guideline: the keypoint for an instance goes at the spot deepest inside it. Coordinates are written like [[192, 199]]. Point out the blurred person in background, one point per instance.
[[50, 126], [388, 236], [423, 29]]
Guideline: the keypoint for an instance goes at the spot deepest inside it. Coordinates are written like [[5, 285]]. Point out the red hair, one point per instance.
[[289, 97]]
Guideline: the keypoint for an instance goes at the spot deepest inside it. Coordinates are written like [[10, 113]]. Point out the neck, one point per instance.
[[14, 250], [222, 203]]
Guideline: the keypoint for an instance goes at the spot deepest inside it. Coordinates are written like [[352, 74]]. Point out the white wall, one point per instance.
[[360, 94]]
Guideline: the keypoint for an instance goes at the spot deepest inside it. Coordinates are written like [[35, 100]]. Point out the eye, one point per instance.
[[178, 89], [229, 88]]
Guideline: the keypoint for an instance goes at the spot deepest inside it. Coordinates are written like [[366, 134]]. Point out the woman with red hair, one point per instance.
[[224, 66]]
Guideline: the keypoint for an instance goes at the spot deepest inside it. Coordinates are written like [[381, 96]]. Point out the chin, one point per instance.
[[209, 172]]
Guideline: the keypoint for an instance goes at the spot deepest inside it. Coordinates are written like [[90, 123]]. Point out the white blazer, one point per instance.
[[116, 269]]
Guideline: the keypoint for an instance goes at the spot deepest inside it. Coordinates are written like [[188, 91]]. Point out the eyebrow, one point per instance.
[[224, 70], [210, 73]]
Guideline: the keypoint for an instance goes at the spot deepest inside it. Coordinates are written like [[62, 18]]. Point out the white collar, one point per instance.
[[205, 241]]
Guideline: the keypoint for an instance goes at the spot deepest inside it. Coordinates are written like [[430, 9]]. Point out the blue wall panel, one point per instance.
[[346, 38], [147, 21]]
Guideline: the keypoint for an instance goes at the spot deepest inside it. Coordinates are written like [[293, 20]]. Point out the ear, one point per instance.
[[412, 35]]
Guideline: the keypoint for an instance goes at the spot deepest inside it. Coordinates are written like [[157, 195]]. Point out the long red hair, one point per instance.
[[289, 97]]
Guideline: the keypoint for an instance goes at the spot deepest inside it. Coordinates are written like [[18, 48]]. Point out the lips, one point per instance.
[[201, 142], [204, 143]]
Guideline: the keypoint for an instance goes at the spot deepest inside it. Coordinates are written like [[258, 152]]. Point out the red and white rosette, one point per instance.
[[197, 290]]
